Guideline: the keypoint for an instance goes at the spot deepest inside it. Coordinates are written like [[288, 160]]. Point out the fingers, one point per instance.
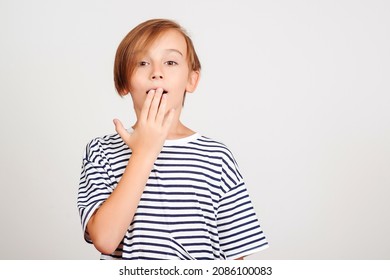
[[146, 106], [169, 119], [154, 109], [162, 109], [152, 126], [155, 105]]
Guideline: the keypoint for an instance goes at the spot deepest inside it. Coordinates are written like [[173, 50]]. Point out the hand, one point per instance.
[[152, 126]]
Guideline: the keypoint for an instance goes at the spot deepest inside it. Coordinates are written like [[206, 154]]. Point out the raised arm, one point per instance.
[[109, 223]]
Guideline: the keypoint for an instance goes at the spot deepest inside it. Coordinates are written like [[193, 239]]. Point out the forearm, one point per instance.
[[109, 223]]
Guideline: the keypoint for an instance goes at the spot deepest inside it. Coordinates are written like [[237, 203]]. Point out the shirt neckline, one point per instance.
[[176, 142], [181, 141]]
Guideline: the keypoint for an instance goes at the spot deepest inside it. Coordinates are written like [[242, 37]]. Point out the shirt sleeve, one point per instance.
[[239, 229], [95, 183]]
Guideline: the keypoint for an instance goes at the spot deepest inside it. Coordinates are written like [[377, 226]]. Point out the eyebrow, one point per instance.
[[174, 50]]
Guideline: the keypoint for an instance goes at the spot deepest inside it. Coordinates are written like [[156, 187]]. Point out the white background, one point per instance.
[[298, 90]]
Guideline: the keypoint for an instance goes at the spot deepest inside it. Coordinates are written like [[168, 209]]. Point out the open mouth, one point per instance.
[[164, 91]]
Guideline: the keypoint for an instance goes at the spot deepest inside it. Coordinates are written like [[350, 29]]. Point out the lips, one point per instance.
[[164, 91]]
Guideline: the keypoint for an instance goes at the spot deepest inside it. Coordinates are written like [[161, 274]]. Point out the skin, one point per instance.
[[163, 67]]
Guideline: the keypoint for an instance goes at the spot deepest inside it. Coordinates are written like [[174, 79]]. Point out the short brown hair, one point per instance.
[[140, 38]]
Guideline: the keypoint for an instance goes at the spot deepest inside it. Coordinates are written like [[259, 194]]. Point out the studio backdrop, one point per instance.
[[298, 90]]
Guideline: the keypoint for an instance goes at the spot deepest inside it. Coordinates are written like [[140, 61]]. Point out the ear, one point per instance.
[[124, 92], [193, 80]]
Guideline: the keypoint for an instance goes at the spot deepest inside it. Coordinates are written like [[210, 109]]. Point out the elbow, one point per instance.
[[102, 239], [105, 246]]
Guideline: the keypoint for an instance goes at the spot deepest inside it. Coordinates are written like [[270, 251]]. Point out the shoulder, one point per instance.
[[105, 140], [102, 144], [231, 175], [216, 147]]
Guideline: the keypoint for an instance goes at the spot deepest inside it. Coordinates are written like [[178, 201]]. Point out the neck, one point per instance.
[[177, 130]]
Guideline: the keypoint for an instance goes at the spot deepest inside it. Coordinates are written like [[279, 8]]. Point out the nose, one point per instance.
[[157, 77], [157, 74]]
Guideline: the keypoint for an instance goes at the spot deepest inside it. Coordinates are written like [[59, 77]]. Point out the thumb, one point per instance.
[[120, 129]]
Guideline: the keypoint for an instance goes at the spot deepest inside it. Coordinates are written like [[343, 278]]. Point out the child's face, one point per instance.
[[164, 65]]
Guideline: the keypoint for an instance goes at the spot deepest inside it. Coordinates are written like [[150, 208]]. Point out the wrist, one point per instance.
[[143, 158]]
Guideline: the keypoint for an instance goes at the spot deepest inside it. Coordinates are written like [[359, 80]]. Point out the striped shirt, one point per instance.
[[194, 206]]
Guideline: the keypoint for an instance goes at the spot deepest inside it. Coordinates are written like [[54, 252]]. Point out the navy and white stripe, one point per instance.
[[195, 204]]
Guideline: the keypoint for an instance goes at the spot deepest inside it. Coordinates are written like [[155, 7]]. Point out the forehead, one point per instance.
[[167, 41]]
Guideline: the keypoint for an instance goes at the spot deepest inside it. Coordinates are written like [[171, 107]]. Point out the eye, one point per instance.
[[143, 63], [171, 63]]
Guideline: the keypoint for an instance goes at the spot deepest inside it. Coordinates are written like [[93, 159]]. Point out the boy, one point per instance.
[[161, 190]]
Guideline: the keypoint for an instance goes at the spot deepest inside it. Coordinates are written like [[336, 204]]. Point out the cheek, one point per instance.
[[138, 99], [136, 87], [135, 91], [180, 79], [137, 78]]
